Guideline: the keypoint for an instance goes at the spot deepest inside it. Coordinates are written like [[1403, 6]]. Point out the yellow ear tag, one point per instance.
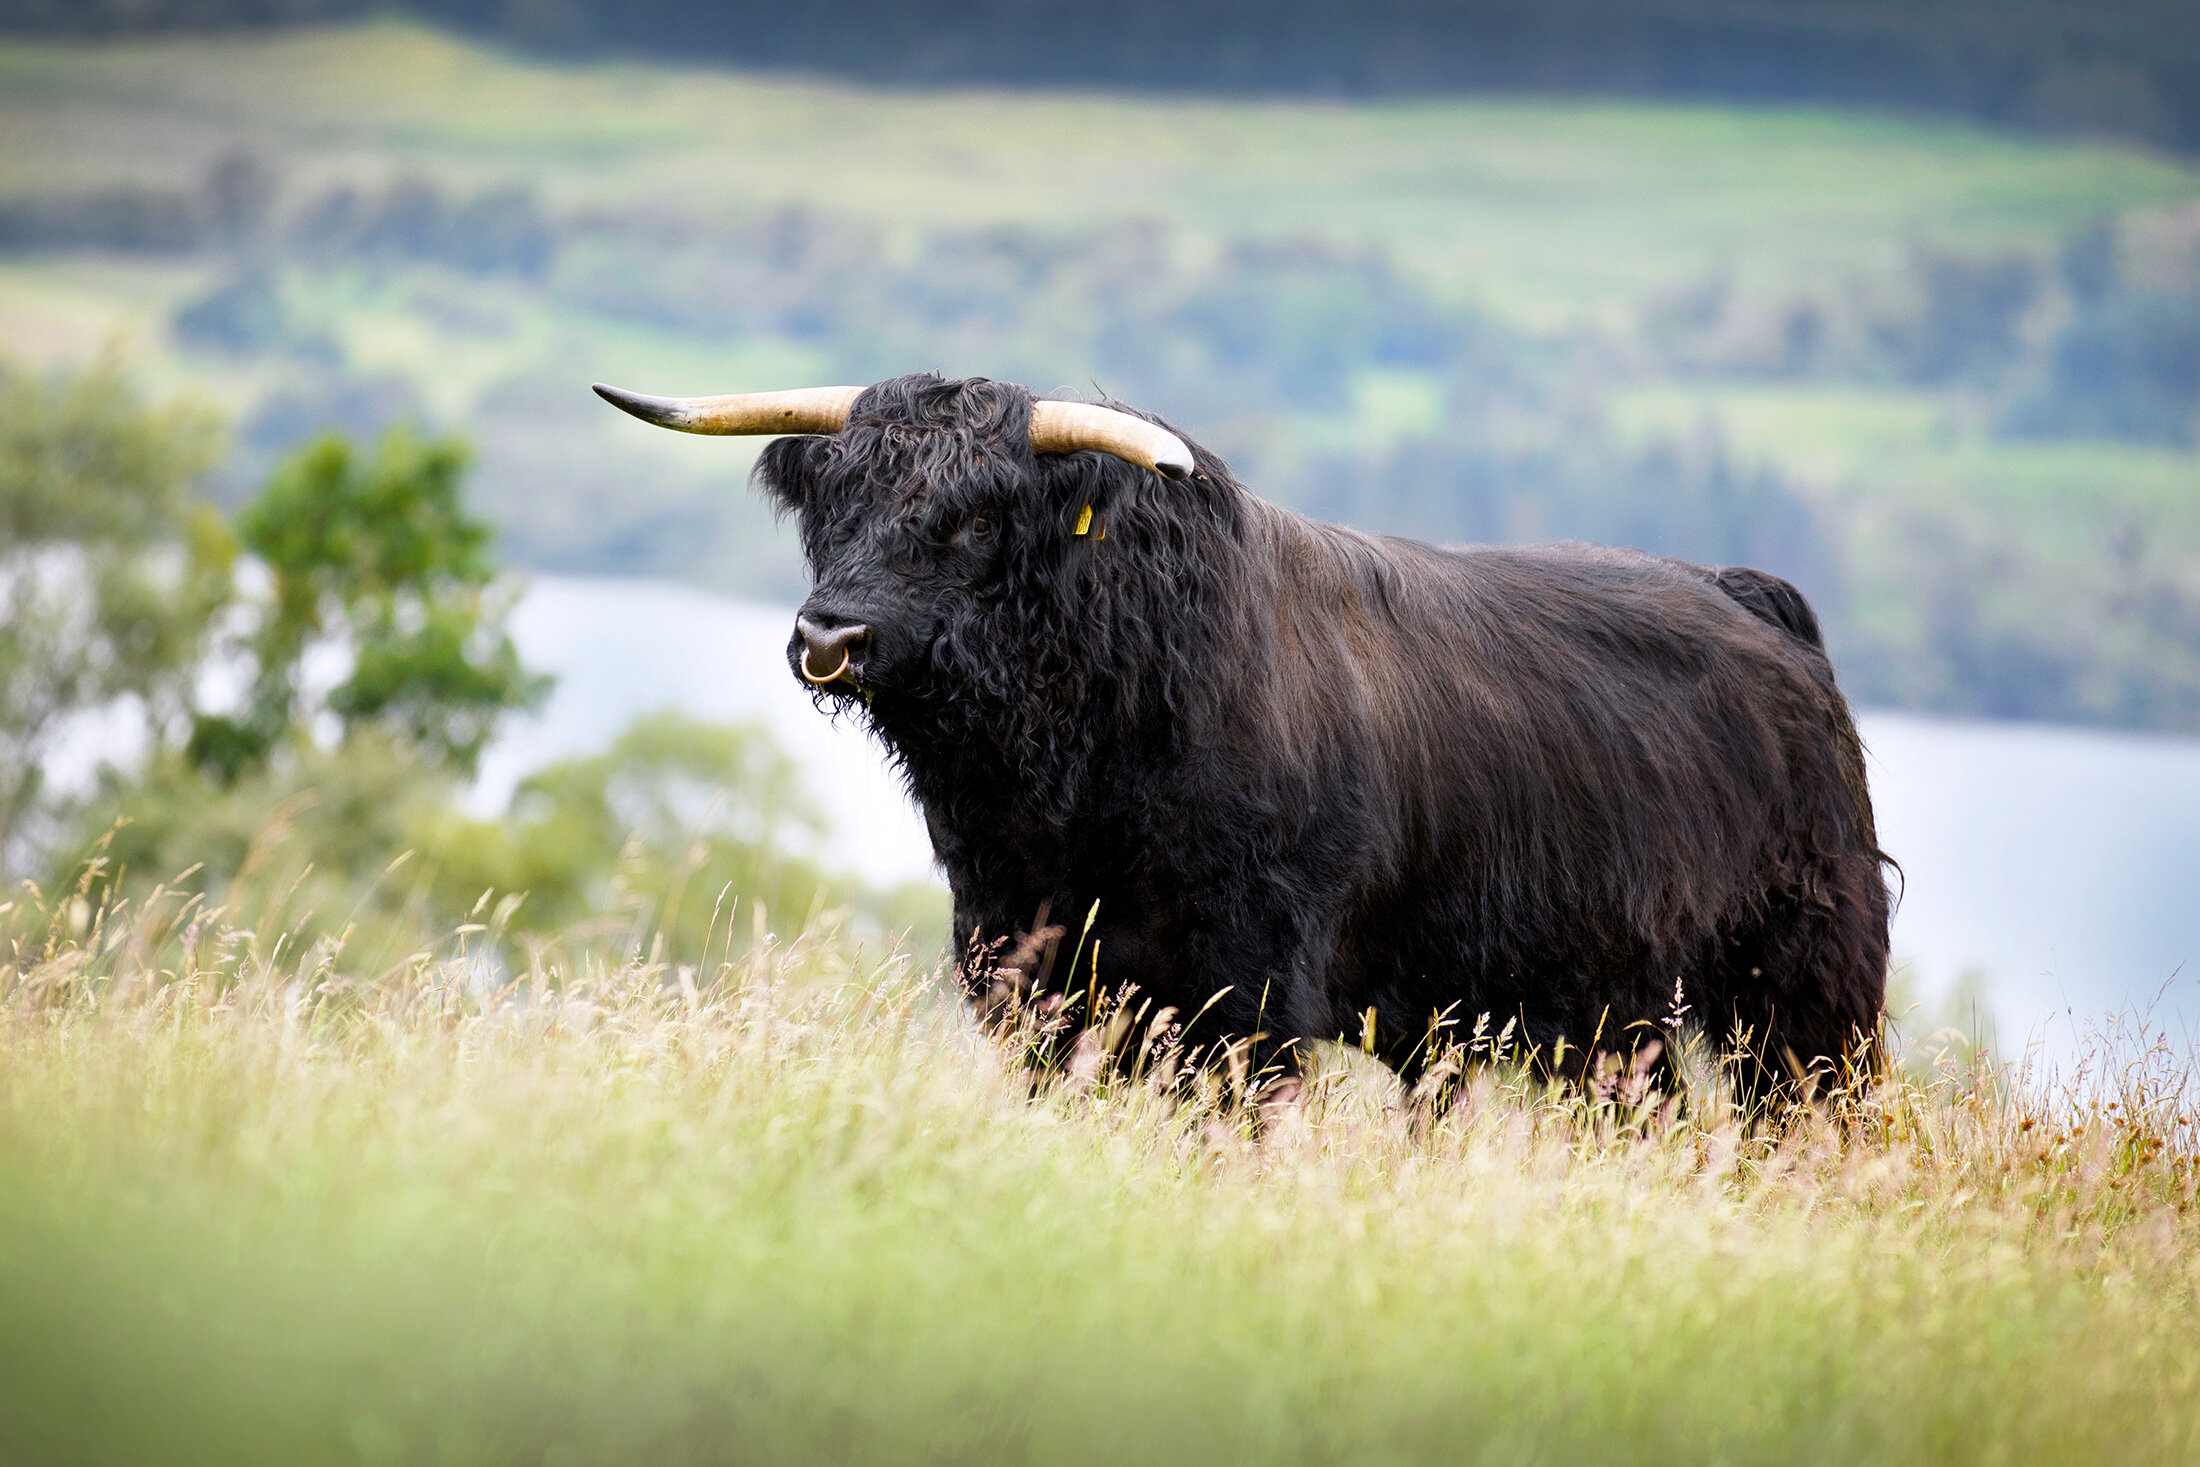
[[1084, 520]]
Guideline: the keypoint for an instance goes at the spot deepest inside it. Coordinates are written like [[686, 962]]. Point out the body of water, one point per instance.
[[2061, 865]]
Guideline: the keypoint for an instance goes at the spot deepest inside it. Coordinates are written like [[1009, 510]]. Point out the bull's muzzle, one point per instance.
[[832, 647]]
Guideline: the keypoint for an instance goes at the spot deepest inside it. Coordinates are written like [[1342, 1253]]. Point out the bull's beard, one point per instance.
[[1018, 710], [987, 760]]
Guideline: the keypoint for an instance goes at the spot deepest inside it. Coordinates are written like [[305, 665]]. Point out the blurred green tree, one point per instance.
[[110, 576], [380, 556]]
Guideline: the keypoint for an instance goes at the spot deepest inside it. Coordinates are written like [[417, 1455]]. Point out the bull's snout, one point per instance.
[[828, 653]]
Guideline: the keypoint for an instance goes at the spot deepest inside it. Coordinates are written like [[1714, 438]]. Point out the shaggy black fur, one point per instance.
[[1319, 772]]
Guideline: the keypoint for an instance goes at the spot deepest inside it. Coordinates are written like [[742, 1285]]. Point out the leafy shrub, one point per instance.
[[381, 555]]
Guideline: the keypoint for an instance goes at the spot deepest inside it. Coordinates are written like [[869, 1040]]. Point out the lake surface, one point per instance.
[[2061, 865]]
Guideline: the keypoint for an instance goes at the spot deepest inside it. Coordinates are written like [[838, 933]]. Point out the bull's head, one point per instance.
[[920, 500]]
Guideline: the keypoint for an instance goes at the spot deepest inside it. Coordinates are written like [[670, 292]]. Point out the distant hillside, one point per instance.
[[1946, 378], [2128, 68]]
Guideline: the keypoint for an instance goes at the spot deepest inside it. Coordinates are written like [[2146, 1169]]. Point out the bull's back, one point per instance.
[[1583, 756]]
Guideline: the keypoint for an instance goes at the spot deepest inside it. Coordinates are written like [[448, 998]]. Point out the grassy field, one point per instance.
[[259, 1205]]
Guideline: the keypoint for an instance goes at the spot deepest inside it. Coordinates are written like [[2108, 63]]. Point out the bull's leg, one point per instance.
[[1798, 999], [1256, 977]]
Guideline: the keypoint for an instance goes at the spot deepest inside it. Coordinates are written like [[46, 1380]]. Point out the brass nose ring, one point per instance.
[[831, 677]]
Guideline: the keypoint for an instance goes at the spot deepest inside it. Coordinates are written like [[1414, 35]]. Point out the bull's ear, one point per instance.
[[786, 471], [1071, 485]]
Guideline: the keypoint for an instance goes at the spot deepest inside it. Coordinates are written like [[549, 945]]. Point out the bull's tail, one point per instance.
[[1771, 599]]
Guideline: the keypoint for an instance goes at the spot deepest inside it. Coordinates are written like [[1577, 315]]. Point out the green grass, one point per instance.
[[798, 1208]]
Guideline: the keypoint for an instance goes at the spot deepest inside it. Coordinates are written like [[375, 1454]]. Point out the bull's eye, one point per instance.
[[977, 534]]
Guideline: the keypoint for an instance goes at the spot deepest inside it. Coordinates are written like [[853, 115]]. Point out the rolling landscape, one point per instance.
[[1822, 342]]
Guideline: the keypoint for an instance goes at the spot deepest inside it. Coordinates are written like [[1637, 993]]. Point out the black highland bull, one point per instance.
[[1319, 772]]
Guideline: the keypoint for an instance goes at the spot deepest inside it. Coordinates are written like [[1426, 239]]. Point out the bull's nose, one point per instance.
[[828, 653]]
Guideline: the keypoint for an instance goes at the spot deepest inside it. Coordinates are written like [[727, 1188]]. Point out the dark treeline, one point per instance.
[[2123, 67]]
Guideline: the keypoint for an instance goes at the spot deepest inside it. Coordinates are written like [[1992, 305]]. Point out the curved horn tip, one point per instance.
[[1169, 466], [649, 409]]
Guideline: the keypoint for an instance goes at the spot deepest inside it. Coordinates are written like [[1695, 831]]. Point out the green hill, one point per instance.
[[1637, 322], [1545, 206]]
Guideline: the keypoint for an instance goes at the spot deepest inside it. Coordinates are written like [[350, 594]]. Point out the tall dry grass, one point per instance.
[[259, 1204]]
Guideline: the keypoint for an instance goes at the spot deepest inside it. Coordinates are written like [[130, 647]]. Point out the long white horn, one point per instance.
[[1065, 427], [804, 410]]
